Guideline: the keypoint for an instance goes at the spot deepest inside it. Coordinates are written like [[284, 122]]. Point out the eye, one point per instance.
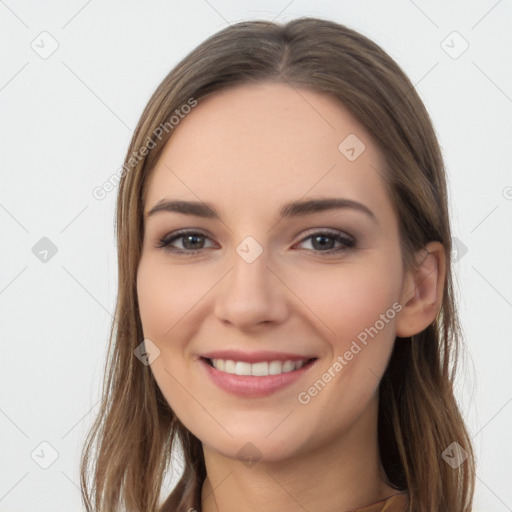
[[323, 241], [193, 242]]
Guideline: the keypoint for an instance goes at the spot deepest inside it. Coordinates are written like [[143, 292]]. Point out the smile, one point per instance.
[[254, 380], [261, 369]]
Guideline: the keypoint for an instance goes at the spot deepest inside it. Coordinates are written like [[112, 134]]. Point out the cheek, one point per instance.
[[355, 308], [349, 299], [167, 296], [358, 307]]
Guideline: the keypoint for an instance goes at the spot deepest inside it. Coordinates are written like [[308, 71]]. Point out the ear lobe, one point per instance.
[[422, 293]]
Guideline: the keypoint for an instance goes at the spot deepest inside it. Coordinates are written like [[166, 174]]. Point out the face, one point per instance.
[[248, 281]]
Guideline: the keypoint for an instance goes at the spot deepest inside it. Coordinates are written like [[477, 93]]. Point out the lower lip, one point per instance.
[[252, 386]]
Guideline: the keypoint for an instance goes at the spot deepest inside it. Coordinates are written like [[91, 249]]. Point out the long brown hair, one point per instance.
[[130, 443]]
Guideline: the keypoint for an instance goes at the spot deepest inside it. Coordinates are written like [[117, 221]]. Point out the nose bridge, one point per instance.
[[251, 292], [250, 274]]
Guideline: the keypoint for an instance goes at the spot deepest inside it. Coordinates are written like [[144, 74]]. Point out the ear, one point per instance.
[[422, 292]]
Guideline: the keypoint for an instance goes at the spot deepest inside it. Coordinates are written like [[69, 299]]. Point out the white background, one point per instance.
[[66, 122]]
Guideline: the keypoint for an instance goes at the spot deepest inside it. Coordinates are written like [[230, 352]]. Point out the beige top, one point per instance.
[[395, 503]]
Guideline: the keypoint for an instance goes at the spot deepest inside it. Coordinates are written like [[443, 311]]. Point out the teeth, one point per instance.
[[257, 369]]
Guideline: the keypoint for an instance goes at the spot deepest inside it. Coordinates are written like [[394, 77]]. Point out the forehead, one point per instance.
[[262, 144]]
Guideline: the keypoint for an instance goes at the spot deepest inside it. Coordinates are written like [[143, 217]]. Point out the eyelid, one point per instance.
[[326, 231]]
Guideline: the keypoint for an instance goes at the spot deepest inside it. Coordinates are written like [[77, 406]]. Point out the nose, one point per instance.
[[251, 294]]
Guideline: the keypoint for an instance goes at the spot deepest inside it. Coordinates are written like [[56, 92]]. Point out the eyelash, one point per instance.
[[349, 242]]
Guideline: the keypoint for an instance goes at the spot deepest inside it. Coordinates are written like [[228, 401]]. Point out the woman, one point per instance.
[[285, 310]]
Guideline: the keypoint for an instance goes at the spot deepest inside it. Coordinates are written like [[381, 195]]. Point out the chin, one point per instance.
[[257, 443]]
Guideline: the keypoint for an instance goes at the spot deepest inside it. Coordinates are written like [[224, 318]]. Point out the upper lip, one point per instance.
[[255, 357]]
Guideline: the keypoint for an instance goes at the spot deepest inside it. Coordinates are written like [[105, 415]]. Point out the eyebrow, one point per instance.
[[290, 209]]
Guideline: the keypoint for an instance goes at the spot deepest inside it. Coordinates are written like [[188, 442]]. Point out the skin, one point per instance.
[[248, 150]]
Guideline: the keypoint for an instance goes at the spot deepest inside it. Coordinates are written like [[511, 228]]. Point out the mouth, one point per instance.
[[255, 380], [259, 369]]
